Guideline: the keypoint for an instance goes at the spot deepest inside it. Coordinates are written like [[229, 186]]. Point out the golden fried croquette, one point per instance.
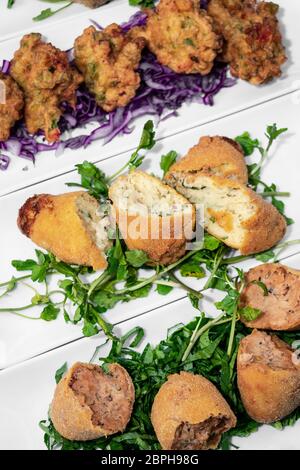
[[108, 60], [233, 212], [253, 44], [89, 402], [72, 226], [189, 413], [91, 3], [268, 373], [11, 105], [280, 305], [47, 79], [152, 216], [219, 156], [182, 36]]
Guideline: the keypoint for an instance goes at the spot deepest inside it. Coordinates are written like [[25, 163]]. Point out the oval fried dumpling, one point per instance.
[[189, 413], [11, 105], [72, 226], [182, 36], [218, 155], [152, 216], [268, 373], [280, 304], [89, 402]]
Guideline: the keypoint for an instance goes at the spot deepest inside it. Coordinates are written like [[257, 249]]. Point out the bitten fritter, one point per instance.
[[11, 105], [268, 375], [189, 413], [47, 79], [182, 36], [89, 402], [72, 226], [253, 43], [108, 60], [278, 299], [152, 217], [219, 156]]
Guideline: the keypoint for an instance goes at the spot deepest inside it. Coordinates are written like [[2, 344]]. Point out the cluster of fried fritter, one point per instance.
[[11, 105], [253, 43], [182, 36], [108, 60], [47, 79]]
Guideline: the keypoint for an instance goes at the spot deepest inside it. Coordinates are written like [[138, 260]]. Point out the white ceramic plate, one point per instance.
[[228, 101], [22, 339], [26, 390], [20, 17]]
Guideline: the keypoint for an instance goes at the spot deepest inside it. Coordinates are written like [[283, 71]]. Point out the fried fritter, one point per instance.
[[72, 226], [268, 376], [253, 46], [11, 106], [45, 75], [189, 413], [280, 308], [89, 402], [182, 36], [108, 60]]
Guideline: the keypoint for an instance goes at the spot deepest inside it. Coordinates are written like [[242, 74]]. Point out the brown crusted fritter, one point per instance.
[[108, 60], [89, 403], [71, 226], [182, 36], [219, 156], [47, 79], [280, 306], [11, 105], [253, 43], [189, 413], [268, 374]]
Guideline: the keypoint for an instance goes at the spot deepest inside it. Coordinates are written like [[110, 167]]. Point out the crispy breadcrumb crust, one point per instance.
[[73, 419], [215, 156], [187, 398], [53, 223], [269, 385], [160, 251], [11, 110], [280, 308]]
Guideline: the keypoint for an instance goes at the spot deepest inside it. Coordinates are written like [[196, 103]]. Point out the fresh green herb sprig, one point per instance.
[[149, 369], [48, 12], [10, 3]]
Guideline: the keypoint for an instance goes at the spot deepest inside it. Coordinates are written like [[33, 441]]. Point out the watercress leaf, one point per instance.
[[147, 141], [247, 143], [106, 300], [163, 290], [61, 372], [136, 258], [210, 242], [250, 313], [194, 300], [167, 161], [191, 269], [26, 265], [265, 256], [272, 132], [50, 312], [89, 329]]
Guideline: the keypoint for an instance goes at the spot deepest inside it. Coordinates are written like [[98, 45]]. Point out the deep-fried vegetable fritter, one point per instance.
[[45, 75], [108, 60], [182, 36], [12, 105], [253, 45]]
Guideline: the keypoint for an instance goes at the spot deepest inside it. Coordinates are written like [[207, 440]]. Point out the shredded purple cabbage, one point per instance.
[[161, 93], [4, 162]]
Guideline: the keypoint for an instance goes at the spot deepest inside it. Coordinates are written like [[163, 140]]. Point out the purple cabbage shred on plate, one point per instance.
[[162, 92]]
